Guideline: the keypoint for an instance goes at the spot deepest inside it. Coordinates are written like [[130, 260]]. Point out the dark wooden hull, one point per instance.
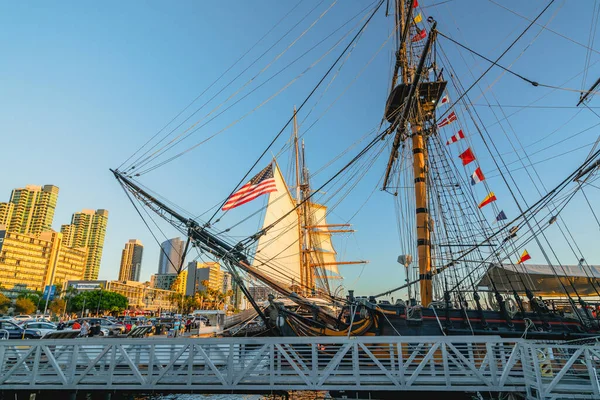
[[392, 321], [457, 322]]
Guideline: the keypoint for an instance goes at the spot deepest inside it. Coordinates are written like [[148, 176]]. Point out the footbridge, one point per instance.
[[251, 365]]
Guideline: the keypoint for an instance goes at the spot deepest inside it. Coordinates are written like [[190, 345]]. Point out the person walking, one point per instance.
[[85, 329], [176, 327]]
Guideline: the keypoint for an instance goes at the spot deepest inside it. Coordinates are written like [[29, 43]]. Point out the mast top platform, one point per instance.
[[428, 95]]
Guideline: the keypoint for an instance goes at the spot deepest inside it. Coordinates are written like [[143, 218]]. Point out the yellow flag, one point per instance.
[[418, 18]]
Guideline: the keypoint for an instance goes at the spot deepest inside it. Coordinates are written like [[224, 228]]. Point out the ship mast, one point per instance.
[[306, 280], [413, 103]]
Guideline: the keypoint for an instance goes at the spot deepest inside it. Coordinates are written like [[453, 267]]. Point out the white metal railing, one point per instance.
[[402, 363]]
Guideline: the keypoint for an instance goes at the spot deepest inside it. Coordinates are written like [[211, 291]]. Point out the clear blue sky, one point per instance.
[[83, 85]]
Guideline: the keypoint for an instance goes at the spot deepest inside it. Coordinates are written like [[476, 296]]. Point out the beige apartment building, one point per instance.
[[30, 210], [32, 262], [141, 295], [88, 229]]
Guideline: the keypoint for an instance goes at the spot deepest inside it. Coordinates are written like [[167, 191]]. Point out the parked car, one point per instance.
[[33, 320], [43, 327], [107, 327], [22, 317], [17, 332]]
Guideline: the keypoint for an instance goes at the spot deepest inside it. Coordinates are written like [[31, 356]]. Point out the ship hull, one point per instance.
[[393, 321]]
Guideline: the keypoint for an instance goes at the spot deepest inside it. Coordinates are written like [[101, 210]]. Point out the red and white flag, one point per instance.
[[449, 119], [477, 177], [444, 100], [459, 135], [263, 182]]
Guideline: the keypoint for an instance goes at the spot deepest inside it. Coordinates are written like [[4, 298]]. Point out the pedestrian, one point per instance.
[[61, 325], [85, 329], [76, 325], [188, 325], [95, 329], [176, 327]]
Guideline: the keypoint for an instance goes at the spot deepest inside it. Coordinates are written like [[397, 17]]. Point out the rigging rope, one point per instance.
[[215, 82], [499, 57], [303, 103]]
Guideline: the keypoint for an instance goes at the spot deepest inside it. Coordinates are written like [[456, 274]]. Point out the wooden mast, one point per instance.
[[309, 271], [421, 201], [419, 149], [301, 215], [416, 103]]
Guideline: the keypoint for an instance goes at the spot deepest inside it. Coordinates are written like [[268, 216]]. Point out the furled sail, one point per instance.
[[279, 247]]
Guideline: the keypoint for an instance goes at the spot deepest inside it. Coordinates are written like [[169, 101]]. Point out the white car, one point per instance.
[[19, 318], [43, 327]]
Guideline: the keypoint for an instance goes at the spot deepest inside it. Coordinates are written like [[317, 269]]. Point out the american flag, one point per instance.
[[262, 183]]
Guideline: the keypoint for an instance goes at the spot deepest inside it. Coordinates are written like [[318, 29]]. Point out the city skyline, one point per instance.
[[30, 210]]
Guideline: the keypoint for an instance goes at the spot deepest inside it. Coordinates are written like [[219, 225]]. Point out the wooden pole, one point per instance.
[[423, 233]]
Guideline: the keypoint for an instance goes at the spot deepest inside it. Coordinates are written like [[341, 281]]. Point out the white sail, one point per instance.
[[323, 255], [279, 248]]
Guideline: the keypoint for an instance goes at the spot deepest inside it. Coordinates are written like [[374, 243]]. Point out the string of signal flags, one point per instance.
[[467, 157]]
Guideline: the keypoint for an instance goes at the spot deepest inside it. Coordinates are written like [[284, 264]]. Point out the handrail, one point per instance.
[[401, 363]]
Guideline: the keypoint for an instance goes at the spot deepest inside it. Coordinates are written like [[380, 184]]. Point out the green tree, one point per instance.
[[24, 306], [98, 300], [57, 306], [68, 295], [4, 303], [35, 296]]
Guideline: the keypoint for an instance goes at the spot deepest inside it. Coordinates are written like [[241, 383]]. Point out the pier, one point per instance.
[[265, 365]]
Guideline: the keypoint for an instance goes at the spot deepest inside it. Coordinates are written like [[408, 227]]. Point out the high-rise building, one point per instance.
[[131, 261], [6, 210], [88, 229], [199, 272], [162, 281], [174, 282], [171, 252], [30, 210], [227, 282], [32, 262]]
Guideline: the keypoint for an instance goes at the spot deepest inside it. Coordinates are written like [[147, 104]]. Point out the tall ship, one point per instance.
[[465, 220]]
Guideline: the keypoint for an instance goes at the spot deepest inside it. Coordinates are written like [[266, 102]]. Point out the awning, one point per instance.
[[543, 280]]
